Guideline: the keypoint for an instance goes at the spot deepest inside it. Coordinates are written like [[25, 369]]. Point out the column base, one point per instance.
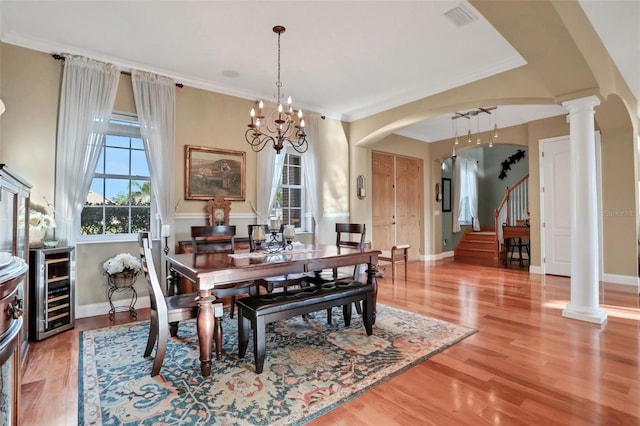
[[596, 316]]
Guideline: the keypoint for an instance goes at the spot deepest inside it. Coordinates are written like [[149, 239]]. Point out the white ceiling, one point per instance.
[[333, 53]]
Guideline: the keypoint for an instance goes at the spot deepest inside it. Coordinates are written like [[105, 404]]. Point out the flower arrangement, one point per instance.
[[124, 262], [41, 218]]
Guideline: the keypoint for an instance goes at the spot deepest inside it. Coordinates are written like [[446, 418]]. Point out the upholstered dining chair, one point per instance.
[[221, 239], [167, 311], [280, 281]]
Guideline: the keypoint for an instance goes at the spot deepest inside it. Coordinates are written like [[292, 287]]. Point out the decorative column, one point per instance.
[[585, 274]]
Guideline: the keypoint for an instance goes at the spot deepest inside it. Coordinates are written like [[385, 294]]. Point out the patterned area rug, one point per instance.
[[311, 367]]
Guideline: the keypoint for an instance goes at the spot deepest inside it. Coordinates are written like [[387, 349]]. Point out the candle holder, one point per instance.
[[277, 241]]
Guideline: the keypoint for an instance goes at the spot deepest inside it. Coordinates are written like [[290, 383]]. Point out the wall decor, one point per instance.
[[211, 172], [361, 187], [506, 164], [446, 194]]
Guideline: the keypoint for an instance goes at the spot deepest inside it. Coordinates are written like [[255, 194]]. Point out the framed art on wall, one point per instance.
[[211, 172]]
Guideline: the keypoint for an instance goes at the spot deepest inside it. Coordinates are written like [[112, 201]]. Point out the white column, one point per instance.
[[584, 304]]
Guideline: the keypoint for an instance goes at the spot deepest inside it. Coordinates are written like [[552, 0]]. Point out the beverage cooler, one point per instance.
[[52, 302]]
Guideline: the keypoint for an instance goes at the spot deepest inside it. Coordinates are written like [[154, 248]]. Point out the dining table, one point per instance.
[[209, 270]]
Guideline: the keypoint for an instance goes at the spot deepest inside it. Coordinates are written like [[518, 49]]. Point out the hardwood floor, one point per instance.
[[526, 365]]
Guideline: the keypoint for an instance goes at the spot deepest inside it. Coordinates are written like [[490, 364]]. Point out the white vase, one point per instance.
[[35, 237]]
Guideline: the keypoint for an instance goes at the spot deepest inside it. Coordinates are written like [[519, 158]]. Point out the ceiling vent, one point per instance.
[[461, 15]]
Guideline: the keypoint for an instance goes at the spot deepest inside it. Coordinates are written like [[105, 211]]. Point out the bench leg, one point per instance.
[[259, 342], [346, 313], [244, 326]]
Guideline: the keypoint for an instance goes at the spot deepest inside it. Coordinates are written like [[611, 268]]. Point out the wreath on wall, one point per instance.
[[506, 164]]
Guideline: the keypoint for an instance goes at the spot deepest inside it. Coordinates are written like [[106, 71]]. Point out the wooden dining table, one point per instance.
[[207, 271]]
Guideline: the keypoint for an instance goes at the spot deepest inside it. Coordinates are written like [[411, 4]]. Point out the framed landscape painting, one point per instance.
[[211, 172]]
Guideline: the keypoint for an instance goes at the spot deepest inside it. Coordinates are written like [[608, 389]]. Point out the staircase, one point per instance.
[[477, 245], [486, 243]]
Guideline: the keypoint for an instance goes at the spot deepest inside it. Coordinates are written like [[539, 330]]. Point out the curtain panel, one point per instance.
[[155, 98], [87, 96]]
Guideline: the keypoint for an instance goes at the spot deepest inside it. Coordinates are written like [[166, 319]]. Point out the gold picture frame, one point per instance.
[[212, 172]]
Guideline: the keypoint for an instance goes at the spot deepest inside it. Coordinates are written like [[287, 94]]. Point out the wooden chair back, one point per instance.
[[157, 301], [350, 235], [213, 239], [252, 242]]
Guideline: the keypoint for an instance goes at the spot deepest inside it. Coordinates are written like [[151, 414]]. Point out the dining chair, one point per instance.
[[280, 281], [221, 239], [348, 235], [166, 311]]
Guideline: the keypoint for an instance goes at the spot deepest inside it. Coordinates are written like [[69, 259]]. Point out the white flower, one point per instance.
[[42, 217], [41, 221], [122, 262]]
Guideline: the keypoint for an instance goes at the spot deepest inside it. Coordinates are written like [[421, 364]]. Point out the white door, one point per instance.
[[555, 182]]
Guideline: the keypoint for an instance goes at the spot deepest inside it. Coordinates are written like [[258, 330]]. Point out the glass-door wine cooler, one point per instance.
[[52, 307]]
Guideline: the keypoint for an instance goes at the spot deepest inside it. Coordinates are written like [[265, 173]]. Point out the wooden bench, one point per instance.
[[255, 312], [398, 253]]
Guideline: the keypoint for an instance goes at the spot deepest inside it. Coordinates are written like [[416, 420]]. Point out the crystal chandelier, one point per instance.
[[282, 126]]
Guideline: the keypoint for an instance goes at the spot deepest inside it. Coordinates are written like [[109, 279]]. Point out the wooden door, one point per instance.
[[397, 197], [383, 200], [409, 202]]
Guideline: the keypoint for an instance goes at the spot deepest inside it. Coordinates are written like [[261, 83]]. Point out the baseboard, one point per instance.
[[437, 256], [624, 283], [533, 269], [95, 309]]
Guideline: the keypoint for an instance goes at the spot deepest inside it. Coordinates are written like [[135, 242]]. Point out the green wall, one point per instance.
[[490, 186]]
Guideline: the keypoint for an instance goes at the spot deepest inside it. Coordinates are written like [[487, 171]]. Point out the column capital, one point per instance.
[[581, 104]]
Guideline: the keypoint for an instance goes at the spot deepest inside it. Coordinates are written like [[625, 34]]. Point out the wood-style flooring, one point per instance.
[[527, 365]]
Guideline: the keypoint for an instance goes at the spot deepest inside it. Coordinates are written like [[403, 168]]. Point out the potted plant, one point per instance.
[[122, 270]]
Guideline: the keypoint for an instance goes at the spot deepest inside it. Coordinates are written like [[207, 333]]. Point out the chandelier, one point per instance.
[[475, 113], [282, 126]]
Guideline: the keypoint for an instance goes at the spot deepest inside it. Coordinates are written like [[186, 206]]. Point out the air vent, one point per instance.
[[461, 15]]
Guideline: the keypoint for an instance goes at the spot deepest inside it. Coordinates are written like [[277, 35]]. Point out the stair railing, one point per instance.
[[513, 207]]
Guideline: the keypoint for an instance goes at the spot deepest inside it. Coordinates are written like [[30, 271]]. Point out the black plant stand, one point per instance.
[[118, 284]]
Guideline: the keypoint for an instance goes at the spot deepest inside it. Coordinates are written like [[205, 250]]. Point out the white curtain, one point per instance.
[[312, 178], [455, 206], [466, 187], [86, 102], [155, 98]]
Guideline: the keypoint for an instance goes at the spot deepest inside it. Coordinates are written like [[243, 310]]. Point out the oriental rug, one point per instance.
[[311, 367]]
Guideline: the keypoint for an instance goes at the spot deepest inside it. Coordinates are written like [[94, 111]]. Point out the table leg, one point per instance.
[[372, 271], [205, 326]]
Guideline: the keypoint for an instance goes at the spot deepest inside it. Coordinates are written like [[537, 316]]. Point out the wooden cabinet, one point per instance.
[[52, 292], [14, 234], [14, 247]]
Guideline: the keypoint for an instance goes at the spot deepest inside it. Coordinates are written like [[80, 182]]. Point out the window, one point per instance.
[[468, 184], [289, 206], [119, 200]]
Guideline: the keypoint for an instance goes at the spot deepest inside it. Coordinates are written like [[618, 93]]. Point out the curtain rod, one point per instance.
[[58, 57]]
